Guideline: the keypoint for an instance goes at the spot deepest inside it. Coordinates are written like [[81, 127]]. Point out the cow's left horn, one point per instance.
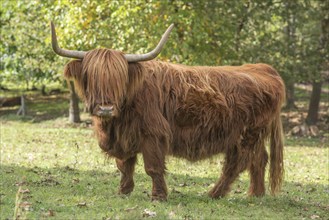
[[154, 53], [63, 52]]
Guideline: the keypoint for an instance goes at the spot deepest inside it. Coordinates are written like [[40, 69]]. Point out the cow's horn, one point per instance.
[[63, 52], [154, 53]]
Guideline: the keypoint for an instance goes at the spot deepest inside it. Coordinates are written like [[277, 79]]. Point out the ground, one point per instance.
[[52, 169]]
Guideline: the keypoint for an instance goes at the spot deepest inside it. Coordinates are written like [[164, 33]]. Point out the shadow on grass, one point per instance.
[[68, 191]]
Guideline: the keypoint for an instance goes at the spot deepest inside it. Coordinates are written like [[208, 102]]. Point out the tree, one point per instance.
[[322, 50], [23, 45], [284, 34]]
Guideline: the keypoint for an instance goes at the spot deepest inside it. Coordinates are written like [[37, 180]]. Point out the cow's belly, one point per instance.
[[195, 146], [194, 153]]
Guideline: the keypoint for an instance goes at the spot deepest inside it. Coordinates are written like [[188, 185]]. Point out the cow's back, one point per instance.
[[209, 108]]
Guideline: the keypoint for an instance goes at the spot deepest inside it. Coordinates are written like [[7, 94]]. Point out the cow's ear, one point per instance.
[[72, 69]]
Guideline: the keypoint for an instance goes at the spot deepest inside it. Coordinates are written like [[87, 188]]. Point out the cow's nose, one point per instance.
[[103, 110]]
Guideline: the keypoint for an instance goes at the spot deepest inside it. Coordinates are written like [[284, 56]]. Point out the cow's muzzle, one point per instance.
[[103, 110]]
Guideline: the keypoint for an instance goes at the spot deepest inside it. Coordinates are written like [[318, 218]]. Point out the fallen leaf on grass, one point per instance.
[[176, 191], [312, 189], [131, 209], [238, 191], [20, 183], [314, 216], [24, 191], [82, 204], [149, 213], [50, 213], [27, 206], [298, 184], [48, 181], [172, 215], [75, 180]]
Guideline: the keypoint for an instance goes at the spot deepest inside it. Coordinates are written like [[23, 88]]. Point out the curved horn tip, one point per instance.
[[52, 26], [154, 53], [63, 52], [169, 29]]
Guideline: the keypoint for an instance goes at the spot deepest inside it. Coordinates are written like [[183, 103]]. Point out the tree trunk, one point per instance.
[[22, 109], [74, 112], [313, 108], [27, 84], [43, 90], [290, 95]]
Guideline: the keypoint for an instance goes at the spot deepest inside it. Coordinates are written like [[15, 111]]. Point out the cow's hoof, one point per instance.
[[256, 194], [215, 195], [159, 198], [125, 191]]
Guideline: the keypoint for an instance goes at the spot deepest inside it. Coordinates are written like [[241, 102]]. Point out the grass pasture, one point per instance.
[[51, 169]]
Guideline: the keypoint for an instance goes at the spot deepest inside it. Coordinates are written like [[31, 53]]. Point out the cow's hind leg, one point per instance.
[[257, 173], [236, 161], [126, 168], [254, 139]]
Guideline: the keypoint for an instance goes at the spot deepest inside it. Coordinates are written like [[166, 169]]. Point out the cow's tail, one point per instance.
[[276, 155]]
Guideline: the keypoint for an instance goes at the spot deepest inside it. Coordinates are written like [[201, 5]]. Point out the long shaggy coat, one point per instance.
[[194, 113]]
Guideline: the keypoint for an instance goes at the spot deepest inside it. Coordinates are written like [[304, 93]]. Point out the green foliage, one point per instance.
[[284, 34], [299, 43], [25, 53]]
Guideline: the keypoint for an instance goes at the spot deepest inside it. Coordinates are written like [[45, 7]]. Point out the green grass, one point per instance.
[[63, 174], [63, 167]]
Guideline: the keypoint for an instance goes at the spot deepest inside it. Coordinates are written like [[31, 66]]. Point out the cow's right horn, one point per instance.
[[154, 53], [62, 52]]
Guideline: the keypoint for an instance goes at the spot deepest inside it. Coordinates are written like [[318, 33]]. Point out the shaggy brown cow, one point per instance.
[[158, 109]]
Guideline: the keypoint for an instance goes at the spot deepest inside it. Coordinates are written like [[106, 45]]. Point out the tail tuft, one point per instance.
[[276, 155]]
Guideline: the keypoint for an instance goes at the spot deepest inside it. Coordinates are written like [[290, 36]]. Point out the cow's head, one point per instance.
[[101, 75]]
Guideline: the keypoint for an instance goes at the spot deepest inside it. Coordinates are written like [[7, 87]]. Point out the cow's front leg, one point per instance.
[[126, 168], [154, 163]]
